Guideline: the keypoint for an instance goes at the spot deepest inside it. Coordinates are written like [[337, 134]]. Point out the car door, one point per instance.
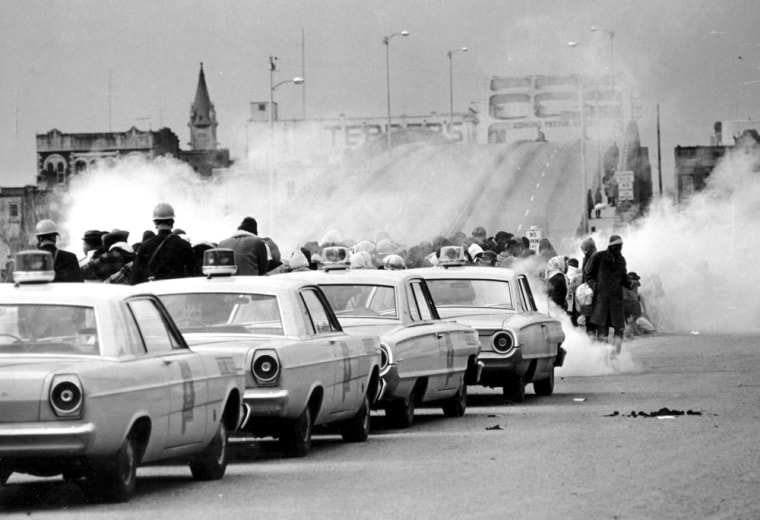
[[334, 363], [540, 338], [433, 339], [186, 387]]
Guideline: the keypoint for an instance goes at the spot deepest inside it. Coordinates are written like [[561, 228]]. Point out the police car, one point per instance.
[[425, 359], [303, 370], [97, 379], [519, 344]]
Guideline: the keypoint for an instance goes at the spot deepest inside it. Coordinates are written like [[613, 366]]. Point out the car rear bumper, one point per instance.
[[45, 439], [266, 402]]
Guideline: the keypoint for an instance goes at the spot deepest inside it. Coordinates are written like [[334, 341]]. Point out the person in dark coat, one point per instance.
[[598, 200], [556, 281], [588, 248], [250, 250], [589, 203], [166, 255], [65, 264], [607, 275]]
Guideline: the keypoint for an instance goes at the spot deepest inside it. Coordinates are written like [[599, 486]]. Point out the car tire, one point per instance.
[[211, 463], [545, 387], [117, 477], [514, 389], [356, 429], [401, 412], [295, 439], [457, 405]]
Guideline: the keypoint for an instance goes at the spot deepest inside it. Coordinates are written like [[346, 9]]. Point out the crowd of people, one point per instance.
[[597, 292]]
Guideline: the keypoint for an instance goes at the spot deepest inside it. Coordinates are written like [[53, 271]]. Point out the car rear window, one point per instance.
[[362, 300], [471, 293], [48, 329], [237, 313]]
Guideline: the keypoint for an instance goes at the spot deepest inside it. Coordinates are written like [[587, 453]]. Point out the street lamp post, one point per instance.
[[599, 165], [584, 189], [451, 88], [386, 42], [612, 53], [272, 174]]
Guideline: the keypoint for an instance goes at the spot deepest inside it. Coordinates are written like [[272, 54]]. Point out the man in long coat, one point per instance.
[[607, 275]]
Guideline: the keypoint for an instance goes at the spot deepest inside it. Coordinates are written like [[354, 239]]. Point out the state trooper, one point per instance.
[[166, 255], [65, 264]]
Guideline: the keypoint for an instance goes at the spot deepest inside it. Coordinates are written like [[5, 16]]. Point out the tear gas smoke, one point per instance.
[[688, 257]]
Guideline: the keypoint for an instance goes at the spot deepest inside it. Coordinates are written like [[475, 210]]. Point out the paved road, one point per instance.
[[580, 454]]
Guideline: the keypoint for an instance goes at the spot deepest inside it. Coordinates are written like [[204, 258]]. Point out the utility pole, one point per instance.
[[659, 156]]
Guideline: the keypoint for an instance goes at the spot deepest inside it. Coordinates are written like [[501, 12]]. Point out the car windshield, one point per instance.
[[242, 313], [361, 300], [471, 293], [48, 329]]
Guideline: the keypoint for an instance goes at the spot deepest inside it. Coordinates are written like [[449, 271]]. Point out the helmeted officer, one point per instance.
[[65, 264], [166, 255]]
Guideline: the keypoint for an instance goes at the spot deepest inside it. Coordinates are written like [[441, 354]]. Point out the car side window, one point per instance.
[[421, 302], [150, 322], [318, 315]]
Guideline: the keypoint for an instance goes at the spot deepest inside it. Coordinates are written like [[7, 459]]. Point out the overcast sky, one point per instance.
[[700, 60]]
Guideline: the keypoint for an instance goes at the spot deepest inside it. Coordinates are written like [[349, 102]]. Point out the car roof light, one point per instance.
[[452, 256], [335, 257], [219, 262], [33, 266]]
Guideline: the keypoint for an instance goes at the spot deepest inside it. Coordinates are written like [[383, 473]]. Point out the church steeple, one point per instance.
[[202, 118]]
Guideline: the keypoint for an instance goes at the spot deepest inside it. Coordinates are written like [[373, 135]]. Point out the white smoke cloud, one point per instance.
[[693, 252]]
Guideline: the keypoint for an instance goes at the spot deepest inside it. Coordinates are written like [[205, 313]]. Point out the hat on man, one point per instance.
[[92, 234], [249, 224], [110, 239], [121, 233], [615, 240], [479, 231]]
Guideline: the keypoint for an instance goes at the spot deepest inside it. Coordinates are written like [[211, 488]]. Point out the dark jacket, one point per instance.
[[607, 275], [250, 253], [65, 264], [173, 259]]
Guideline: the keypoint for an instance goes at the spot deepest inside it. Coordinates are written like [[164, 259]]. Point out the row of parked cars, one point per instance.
[[96, 380]]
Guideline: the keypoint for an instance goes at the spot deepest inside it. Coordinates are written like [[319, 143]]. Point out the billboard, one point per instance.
[[517, 108]]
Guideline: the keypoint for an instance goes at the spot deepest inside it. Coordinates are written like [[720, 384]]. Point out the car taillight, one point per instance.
[[502, 342], [66, 396], [386, 358], [265, 367]]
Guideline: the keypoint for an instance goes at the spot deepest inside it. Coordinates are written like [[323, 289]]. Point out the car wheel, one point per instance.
[[401, 412], [118, 476], [545, 387], [211, 463], [456, 406], [296, 436], [356, 429], [514, 389]]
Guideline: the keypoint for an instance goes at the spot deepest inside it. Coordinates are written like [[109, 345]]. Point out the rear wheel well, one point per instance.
[[140, 432], [231, 413], [374, 382], [420, 387], [315, 402]]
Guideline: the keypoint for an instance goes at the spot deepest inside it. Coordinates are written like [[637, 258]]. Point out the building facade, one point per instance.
[[61, 155]]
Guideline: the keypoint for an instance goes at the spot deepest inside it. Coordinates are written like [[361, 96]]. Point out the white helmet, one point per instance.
[[163, 211], [46, 227], [392, 262]]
